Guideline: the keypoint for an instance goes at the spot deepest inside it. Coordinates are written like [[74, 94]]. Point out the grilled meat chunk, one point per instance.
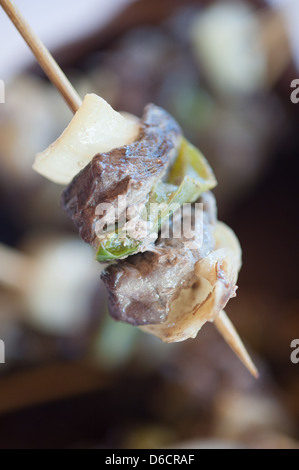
[[130, 171], [142, 288]]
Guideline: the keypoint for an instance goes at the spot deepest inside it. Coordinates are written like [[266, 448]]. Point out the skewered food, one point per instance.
[[168, 286]]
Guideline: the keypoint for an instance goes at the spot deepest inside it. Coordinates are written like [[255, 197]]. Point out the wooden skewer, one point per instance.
[[230, 335], [45, 59]]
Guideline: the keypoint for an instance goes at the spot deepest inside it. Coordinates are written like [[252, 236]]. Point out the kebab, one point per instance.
[[160, 285]]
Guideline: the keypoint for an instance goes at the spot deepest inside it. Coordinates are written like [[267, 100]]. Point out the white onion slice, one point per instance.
[[95, 128], [217, 275]]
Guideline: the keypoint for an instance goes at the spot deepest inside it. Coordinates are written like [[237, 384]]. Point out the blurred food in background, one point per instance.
[[223, 70]]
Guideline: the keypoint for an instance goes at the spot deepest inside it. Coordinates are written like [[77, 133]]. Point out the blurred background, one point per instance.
[[73, 378]]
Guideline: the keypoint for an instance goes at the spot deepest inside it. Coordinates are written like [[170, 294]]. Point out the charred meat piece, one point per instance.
[[130, 171], [142, 288]]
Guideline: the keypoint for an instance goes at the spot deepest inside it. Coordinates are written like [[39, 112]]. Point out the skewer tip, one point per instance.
[[231, 336]]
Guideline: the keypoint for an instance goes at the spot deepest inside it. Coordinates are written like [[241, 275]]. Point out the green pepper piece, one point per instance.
[[114, 247], [189, 177], [191, 162], [188, 191]]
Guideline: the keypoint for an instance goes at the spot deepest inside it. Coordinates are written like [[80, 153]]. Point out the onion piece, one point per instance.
[[217, 275], [95, 128]]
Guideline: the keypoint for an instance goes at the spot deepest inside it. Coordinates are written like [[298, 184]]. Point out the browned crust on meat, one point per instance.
[[131, 170]]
